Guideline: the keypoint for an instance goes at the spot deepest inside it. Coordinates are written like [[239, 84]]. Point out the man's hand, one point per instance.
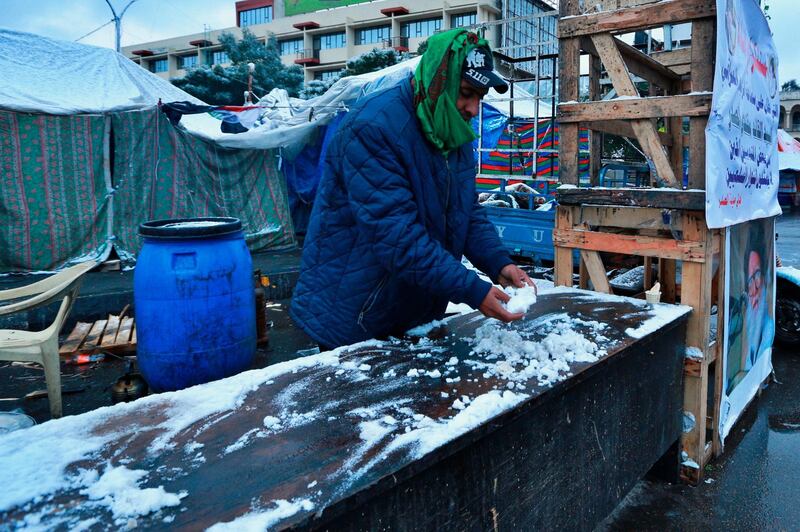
[[492, 306], [513, 275]]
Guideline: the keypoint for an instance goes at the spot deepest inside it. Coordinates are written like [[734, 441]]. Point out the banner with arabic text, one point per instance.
[[741, 136]]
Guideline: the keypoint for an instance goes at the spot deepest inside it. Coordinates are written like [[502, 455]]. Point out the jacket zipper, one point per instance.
[[446, 198], [370, 301]]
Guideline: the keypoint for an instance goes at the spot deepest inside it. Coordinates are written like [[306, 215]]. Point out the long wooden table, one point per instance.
[[369, 438]]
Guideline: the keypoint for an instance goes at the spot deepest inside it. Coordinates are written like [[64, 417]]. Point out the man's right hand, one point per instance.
[[492, 306]]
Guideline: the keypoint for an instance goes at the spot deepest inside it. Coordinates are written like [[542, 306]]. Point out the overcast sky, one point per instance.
[[149, 20]]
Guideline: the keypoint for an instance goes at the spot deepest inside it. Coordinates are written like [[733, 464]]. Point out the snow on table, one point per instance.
[[272, 447]]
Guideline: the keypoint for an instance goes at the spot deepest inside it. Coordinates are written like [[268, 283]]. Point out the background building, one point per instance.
[[790, 113], [321, 35]]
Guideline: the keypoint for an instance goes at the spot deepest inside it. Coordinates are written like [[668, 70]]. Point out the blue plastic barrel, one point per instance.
[[194, 302]]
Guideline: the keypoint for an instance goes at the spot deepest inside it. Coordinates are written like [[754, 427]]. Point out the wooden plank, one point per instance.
[[667, 271], [630, 217], [596, 271], [638, 63], [643, 246], [110, 334], [563, 256], [75, 338], [569, 54], [693, 200], [635, 18], [635, 108], [622, 128], [132, 341], [696, 293], [703, 50], [124, 333], [676, 57], [645, 130], [92, 340]]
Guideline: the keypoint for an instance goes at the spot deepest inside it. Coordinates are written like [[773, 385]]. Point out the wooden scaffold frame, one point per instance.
[[667, 222]]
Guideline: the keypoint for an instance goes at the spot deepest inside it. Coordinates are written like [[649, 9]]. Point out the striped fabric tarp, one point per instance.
[[53, 195], [162, 172]]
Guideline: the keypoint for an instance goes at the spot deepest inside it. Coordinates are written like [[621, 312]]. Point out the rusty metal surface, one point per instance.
[[319, 454]]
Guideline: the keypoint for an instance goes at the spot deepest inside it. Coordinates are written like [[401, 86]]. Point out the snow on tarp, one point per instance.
[[42, 75]]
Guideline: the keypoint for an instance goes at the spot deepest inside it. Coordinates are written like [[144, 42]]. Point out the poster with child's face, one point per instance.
[[751, 298]]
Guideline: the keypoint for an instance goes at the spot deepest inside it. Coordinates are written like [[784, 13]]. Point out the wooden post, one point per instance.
[[703, 52], [564, 263], [719, 375], [696, 293], [569, 53], [595, 137]]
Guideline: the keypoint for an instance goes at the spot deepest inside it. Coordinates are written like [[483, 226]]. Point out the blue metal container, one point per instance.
[[194, 302]]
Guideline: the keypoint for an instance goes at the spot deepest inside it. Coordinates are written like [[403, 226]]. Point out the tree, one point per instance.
[[218, 85], [422, 47], [373, 60], [790, 85]]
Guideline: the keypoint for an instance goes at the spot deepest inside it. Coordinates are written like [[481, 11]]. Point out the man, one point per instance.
[[396, 207], [759, 325]]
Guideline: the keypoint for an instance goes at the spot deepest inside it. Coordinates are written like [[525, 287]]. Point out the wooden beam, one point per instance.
[[596, 271], [629, 217], [635, 108], [622, 128], [648, 273], [692, 200], [563, 256], [635, 18], [703, 50], [645, 130], [642, 246], [638, 63], [696, 293], [719, 376], [569, 53]]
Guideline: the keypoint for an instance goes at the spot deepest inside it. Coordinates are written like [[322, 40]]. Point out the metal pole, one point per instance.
[[118, 23]]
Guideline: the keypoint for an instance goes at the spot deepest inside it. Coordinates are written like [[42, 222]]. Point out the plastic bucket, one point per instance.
[[194, 301]]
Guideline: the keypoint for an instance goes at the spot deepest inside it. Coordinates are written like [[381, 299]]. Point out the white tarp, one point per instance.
[[788, 151], [741, 136], [42, 75], [289, 121]]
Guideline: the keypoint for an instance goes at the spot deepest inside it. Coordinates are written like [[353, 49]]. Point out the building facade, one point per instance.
[[790, 113], [322, 40]]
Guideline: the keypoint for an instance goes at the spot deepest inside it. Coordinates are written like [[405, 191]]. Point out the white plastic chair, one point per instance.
[[42, 346]]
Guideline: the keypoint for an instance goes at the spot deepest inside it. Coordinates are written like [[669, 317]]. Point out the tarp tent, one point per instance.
[[788, 151], [86, 155]]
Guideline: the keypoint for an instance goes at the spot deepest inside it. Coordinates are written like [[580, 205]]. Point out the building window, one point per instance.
[[462, 20], [326, 75], [796, 121], [187, 61], [291, 47], [159, 65], [374, 34], [421, 28], [330, 40], [259, 15], [217, 57]]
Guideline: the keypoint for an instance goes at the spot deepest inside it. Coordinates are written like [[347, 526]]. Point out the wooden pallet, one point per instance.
[[116, 334]]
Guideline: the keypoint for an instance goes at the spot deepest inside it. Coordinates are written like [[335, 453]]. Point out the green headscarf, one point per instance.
[[436, 87]]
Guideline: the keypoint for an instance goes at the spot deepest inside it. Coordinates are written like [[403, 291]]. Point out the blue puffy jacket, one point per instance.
[[390, 222]]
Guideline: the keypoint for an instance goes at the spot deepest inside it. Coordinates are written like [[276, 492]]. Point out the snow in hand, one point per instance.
[[521, 298]]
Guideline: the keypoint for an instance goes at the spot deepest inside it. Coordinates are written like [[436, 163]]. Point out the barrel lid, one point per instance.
[[190, 227]]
